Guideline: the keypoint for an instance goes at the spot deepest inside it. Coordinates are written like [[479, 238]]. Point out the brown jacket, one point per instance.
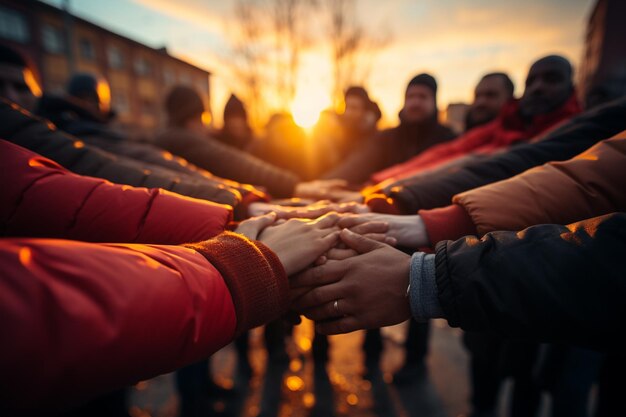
[[589, 185], [228, 162]]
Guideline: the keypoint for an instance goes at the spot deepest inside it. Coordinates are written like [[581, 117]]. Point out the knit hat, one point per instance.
[[358, 92], [234, 108], [182, 104], [424, 79]]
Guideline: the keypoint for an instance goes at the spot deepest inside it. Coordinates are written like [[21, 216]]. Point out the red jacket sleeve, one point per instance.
[[80, 319], [42, 199], [439, 153]]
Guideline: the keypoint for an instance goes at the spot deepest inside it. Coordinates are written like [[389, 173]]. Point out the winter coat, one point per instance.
[[390, 147], [552, 283], [508, 128], [437, 188], [81, 319], [22, 128], [589, 185], [228, 162], [42, 199]]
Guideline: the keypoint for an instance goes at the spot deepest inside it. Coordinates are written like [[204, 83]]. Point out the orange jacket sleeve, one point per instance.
[[589, 185]]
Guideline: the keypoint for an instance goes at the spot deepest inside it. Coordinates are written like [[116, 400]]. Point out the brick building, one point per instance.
[[603, 68], [60, 44]]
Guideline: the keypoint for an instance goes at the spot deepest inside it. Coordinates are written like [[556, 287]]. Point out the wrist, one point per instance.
[[411, 232]]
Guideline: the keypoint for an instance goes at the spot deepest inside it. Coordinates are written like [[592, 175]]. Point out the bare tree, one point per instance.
[[248, 57], [352, 49], [291, 38]]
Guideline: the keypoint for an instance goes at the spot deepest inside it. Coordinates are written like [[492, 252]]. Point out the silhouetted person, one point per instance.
[[492, 92]]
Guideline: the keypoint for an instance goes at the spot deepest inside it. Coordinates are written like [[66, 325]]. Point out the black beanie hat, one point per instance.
[[358, 92], [424, 79], [234, 108], [84, 86], [182, 104]]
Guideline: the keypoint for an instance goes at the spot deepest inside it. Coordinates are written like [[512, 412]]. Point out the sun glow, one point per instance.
[[307, 107]]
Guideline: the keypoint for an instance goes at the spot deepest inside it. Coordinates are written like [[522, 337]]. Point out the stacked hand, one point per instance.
[[408, 231], [335, 190], [365, 291], [344, 280], [292, 209]]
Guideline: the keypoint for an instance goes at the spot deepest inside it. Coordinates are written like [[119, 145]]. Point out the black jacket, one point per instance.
[[549, 282], [24, 129], [228, 162], [436, 188], [390, 147]]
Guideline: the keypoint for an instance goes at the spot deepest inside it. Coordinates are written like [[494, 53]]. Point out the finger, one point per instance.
[[327, 311], [350, 221], [382, 238], [261, 222], [250, 228], [338, 326], [359, 243], [329, 241], [340, 254], [321, 260], [330, 272], [370, 227], [318, 296], [295, 293], [335, 183], [327, 220], [378, 237]]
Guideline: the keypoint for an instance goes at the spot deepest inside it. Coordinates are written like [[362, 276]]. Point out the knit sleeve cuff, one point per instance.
[[447, 223], [423, 293], [254, 275]]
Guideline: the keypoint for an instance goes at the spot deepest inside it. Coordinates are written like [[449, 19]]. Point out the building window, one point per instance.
[[115, 57], [185, 79], [143, 67], [147, 107], [86, 49], [13, 26], [120, 102], [53, 39], [169, 77]]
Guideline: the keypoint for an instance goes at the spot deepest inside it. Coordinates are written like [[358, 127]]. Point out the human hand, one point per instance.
[[319, 189], [409, 231], [363, 292], [310, 211], [251, 227], [299, 242]]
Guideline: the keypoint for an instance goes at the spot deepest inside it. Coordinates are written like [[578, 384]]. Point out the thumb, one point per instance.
[[261, 222], [359, 243]]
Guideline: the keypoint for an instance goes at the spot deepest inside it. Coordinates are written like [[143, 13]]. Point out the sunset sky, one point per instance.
[[455, 40]]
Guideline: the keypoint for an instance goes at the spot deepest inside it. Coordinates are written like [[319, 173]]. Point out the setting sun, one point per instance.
[[307, 107]]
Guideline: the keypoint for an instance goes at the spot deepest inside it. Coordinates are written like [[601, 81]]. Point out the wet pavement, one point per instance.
[[295, 388]]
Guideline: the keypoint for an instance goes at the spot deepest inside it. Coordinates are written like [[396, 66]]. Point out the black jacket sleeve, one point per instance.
[[228, 162], [359, 165], [549, 282], [20, 127], [437, 188]]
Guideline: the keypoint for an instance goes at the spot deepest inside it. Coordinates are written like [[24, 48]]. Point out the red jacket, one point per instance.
[[507, 129], [80, 319], [42, 199]]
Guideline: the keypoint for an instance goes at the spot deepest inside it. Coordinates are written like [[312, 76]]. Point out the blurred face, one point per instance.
[[237, 127], [355, 112], [548, 86], [18, 85], [489, 97], [419, 104]]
